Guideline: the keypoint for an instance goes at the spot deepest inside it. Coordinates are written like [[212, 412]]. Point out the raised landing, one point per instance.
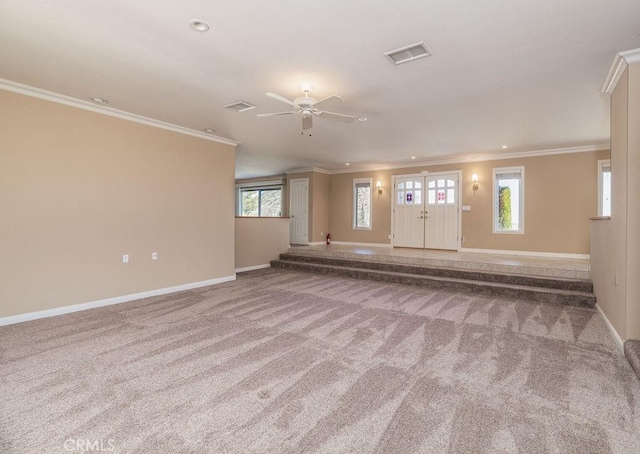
[[522, 281], [475, 261]]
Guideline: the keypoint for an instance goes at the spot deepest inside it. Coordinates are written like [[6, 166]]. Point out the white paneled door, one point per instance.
[[426, 211], [298, 211], [409, 212]]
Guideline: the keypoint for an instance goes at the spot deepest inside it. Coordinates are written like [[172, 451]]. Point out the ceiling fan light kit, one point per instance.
[[308, 108]]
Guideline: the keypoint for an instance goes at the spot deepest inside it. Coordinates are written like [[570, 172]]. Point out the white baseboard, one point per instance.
[[349, 243], [109, 301], [560, 255], [251, 268], [317, 243], [612, 330]]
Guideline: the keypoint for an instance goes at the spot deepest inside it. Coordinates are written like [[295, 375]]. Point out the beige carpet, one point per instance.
[[281, 361]]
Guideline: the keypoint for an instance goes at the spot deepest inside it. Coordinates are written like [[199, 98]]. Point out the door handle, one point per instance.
[[421, 217]]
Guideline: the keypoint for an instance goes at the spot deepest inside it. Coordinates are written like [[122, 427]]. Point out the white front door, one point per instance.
[[409, 212], [298, 211], [426, 211], [441, 211]]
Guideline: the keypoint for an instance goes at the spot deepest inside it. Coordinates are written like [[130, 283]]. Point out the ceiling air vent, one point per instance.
[[240, 106], [408, 53]]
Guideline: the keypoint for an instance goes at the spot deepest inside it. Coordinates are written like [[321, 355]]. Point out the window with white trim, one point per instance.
[[604, 187], [508, 200], [260, 199], [362, 203]]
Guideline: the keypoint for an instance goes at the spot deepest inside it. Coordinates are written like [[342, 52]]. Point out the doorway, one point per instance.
[[298, 211], [426, 210]]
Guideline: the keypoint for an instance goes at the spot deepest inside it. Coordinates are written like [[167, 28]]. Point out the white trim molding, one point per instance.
[[254, 267], [308, 169], [463, 159], [631, 56], [11, 320], [350, 243], [58, 98], [612, 330], [620, 63], [559, 255]]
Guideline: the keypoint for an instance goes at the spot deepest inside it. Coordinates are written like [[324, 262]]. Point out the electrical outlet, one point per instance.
[[321, 234], [616, 278], [125, 258], [389, 237], [154, 256], [462, 239]]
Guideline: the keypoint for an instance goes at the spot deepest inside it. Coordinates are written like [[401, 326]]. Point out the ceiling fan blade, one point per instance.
[[307, 122], [336, 116], [277, 113], [328, 98], [280, 98]]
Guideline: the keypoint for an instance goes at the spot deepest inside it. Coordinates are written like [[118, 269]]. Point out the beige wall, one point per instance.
[[560, 196], [617, 242], [260, 240], [78, 190], [633, 207], [613, 304], [320, 226]]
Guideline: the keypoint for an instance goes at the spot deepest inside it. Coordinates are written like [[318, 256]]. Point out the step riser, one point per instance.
[[560, 284], [427, 281]]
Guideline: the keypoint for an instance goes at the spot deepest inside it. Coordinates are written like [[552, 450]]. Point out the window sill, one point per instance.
[[507, 232], [361, 228]]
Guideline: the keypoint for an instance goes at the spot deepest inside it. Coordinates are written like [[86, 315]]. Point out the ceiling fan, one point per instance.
[[308, 108]]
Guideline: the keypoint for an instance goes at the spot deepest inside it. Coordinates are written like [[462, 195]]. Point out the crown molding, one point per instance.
[[480, 158], [308, 169], [620, 63], [615, 73], [631, 56], [58, 98]]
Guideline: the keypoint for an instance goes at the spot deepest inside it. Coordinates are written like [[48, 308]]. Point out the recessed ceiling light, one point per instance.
[[208, 130], [362, 118], [413, 157], [99, 100], [346, 164], [504, 146], [199, 26]]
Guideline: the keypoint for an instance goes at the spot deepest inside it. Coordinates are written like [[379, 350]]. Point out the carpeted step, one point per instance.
[[578, 285], [568, 297], [632, 352]]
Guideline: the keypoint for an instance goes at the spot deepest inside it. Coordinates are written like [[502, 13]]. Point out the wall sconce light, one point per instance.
[[474, 178], [379, 186]]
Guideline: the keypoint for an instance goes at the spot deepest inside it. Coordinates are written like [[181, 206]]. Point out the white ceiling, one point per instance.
[[522, 73]]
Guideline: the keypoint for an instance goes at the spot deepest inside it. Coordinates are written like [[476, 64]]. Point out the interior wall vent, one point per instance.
[[408, 53], [240, 106]]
